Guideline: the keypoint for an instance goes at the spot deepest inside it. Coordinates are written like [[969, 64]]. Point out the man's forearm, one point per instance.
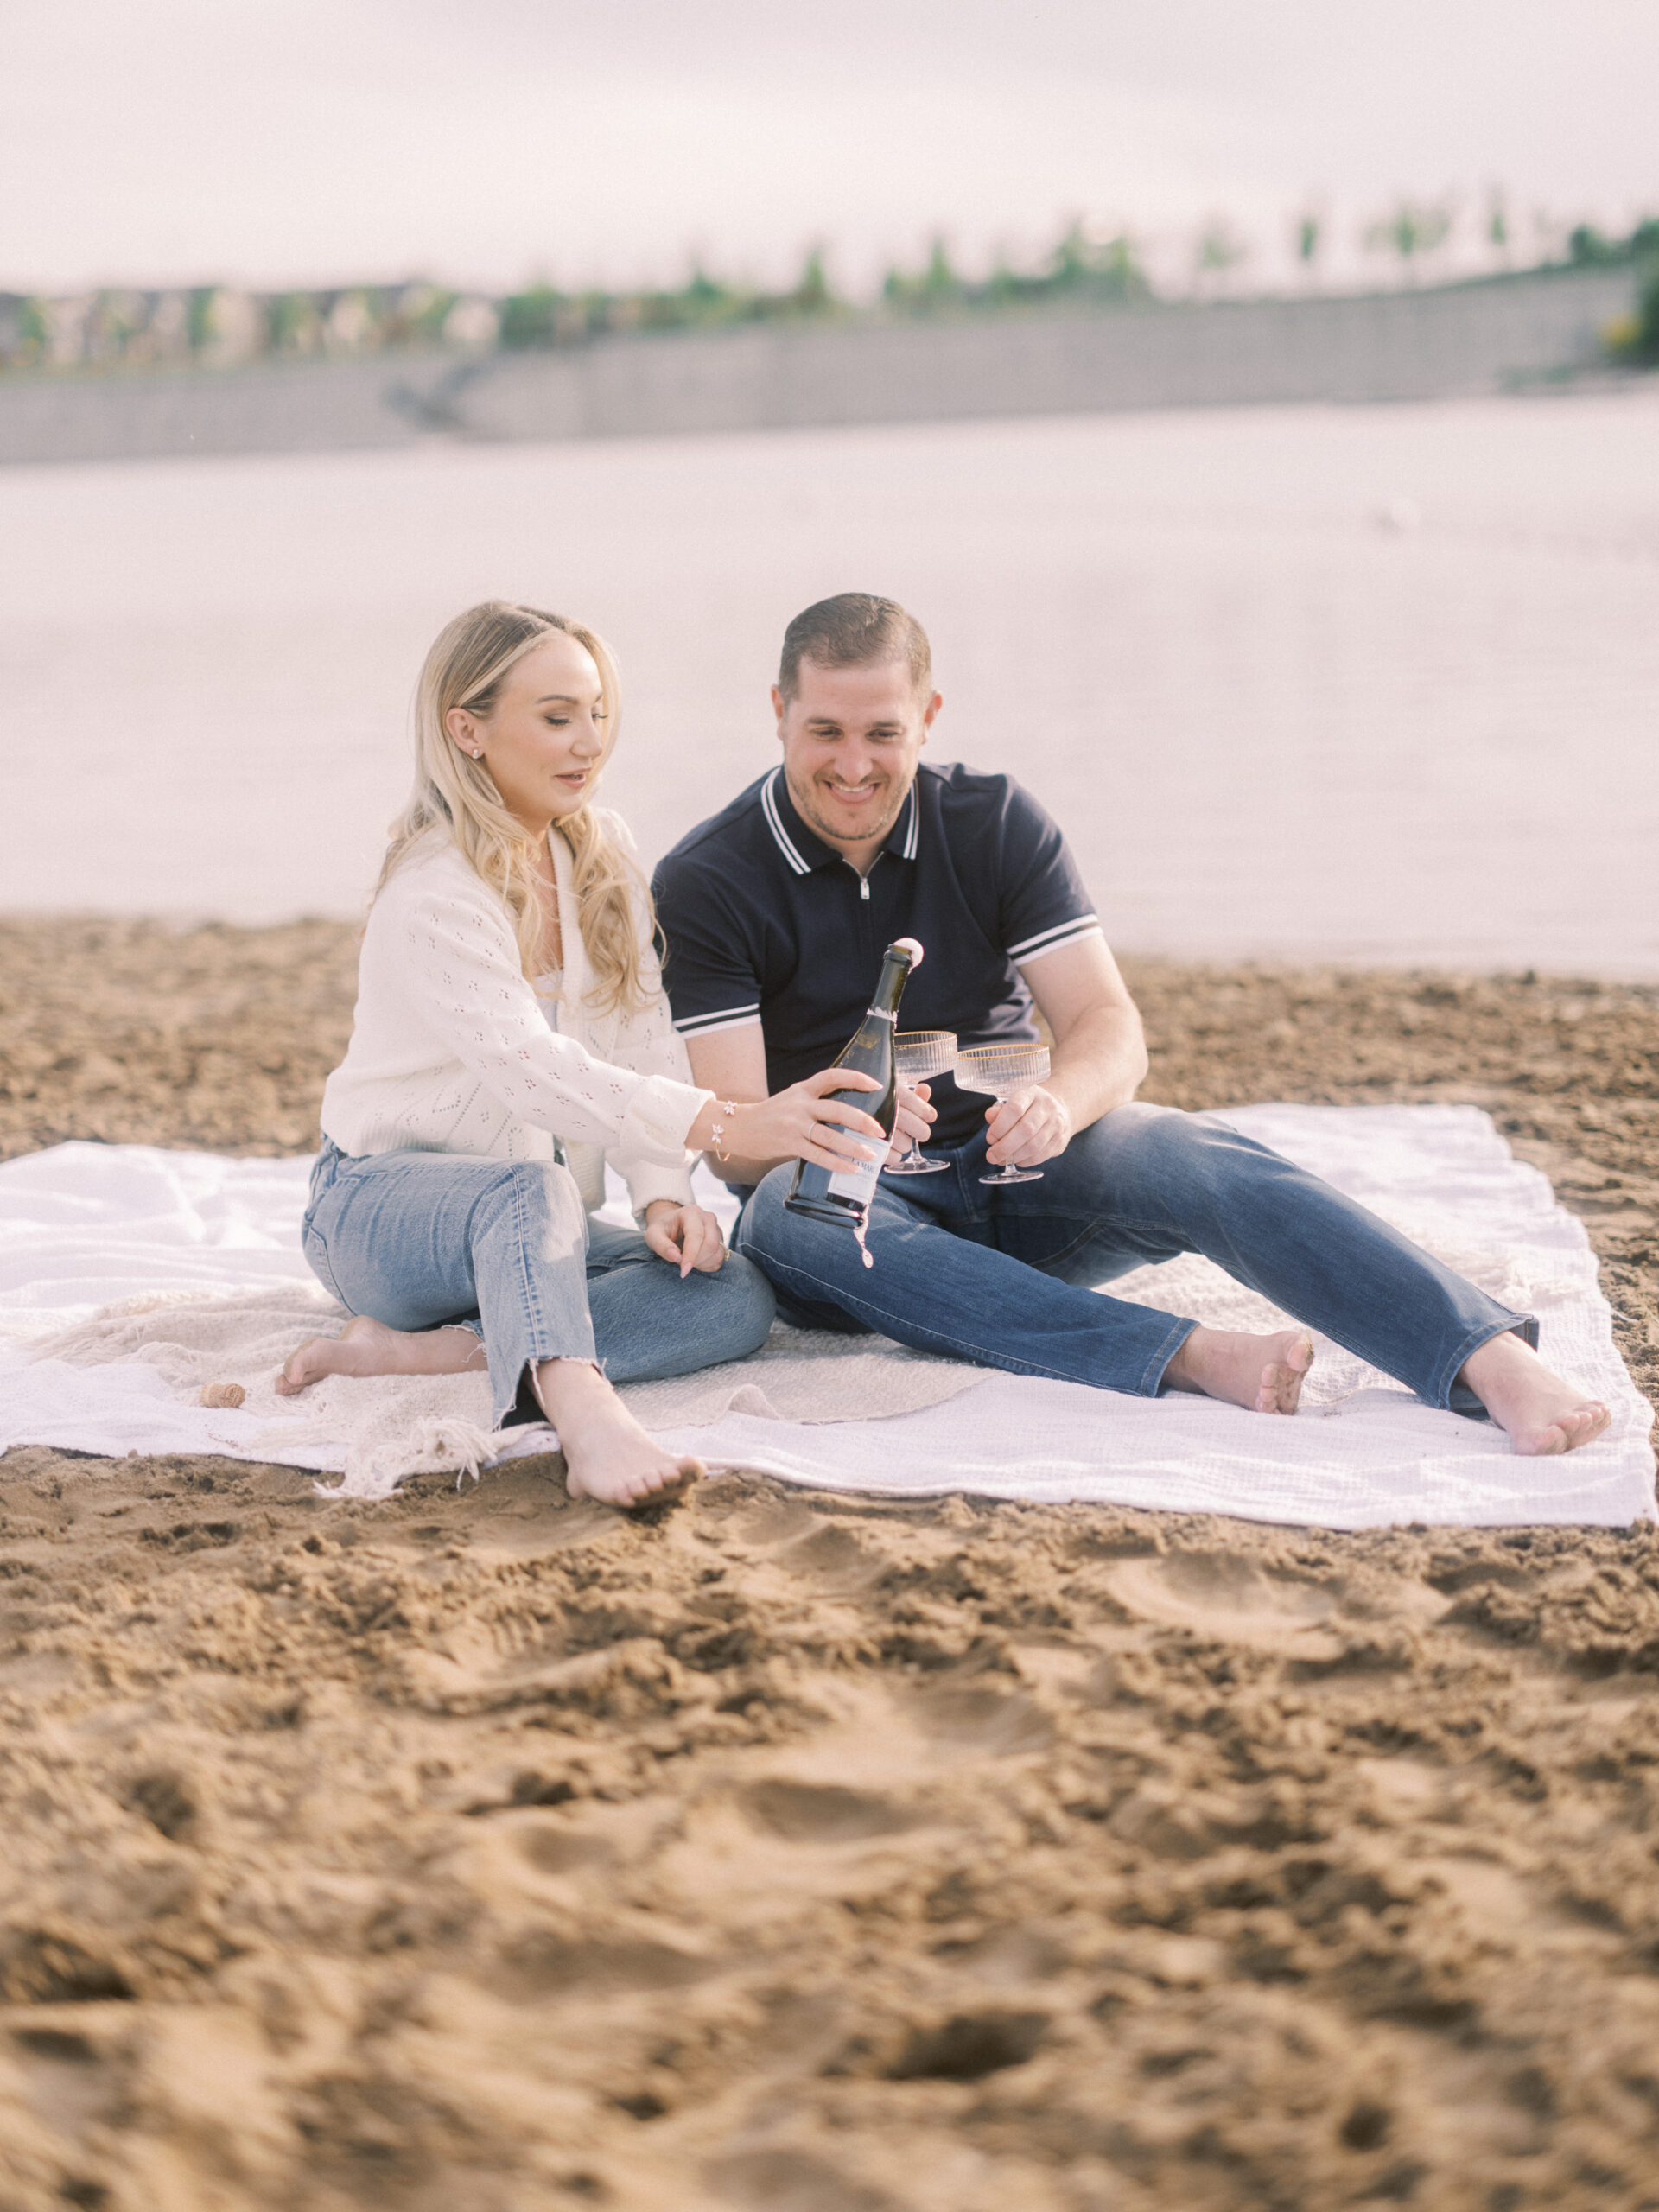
[[1100, 1065]]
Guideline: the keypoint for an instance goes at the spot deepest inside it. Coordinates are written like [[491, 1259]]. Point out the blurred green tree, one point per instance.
[[1587, 247], [1218, 251], [1411, 229], [1307, 237], [528, 318], [1498, 224]]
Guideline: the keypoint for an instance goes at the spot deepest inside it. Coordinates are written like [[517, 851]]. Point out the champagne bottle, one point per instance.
[[843, 1194]]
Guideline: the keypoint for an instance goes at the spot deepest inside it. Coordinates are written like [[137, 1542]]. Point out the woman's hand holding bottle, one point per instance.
[[800, 1123]]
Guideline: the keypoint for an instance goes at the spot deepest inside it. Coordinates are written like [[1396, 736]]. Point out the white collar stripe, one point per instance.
[[774, 822], [915, 819]]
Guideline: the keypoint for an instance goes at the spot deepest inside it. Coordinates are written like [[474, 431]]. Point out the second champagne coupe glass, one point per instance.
[[918, 1054], [1001, 1070]]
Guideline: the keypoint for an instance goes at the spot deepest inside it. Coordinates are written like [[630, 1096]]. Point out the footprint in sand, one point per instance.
[[544, 1965], [558, 1850], [959, 1717], [773, 2179], [833, 1558], [804, 1812], [1231, 1599], [166, 1800]]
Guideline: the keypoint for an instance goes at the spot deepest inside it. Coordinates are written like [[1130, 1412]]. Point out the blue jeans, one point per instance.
[[426, 1240], [1003, 1276]]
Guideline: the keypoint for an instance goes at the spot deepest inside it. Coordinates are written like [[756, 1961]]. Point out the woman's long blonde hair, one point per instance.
[[454, 794]]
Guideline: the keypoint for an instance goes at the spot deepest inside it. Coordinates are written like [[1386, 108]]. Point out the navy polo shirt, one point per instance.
[[765, 923]]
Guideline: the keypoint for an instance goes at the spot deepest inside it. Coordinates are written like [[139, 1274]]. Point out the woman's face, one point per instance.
[[546, 734]]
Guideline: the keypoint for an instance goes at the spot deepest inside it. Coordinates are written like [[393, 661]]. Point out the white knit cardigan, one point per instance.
[[451, 1052]]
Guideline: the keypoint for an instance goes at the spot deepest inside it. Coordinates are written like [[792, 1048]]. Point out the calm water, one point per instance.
[[1364, 683]]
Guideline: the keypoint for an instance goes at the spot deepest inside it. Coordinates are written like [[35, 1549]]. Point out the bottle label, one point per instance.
[[856, 1183]]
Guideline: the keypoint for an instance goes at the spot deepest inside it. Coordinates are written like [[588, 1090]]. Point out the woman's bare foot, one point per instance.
[[367, 1347], [1542, 1413], [1262, 1373], [607, 1454]]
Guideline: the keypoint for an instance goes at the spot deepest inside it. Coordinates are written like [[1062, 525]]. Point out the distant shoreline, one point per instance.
[[1539, 331]]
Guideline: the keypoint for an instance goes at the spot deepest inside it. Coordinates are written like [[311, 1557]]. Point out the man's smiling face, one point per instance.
[[851, 740]]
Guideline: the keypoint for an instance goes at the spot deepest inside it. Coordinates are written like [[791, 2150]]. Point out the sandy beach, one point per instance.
[[478, 1849]]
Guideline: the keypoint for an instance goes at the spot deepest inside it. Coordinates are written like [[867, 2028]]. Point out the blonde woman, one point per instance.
[[511, 1036]]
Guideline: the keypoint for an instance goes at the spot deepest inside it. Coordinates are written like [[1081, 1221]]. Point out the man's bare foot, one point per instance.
[[1262, 1373], [607, 1454], [1542, 1413], [367, 1347]]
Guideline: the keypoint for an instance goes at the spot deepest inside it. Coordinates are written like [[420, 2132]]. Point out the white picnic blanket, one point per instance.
[[130, 1276]]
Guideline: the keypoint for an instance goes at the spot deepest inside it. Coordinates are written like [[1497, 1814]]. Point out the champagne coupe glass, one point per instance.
[[1000, 1071], [918, 1054]]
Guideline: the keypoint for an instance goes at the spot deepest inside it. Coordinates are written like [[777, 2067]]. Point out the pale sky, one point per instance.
[[273, 141]]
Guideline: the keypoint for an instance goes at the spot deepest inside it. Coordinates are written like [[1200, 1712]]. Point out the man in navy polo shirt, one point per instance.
[[776, 912]]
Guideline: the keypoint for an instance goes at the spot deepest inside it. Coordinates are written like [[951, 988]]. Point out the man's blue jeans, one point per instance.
[[1003, 1276], [420, 1240]]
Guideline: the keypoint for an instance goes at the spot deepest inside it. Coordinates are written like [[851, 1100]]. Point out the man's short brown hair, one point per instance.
[[854, 630]]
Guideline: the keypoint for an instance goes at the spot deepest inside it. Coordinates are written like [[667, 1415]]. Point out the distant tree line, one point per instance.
[[220, 325], [1634, 338]]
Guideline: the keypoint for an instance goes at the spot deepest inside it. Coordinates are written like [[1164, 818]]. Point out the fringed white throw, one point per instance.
[[130, 1277]]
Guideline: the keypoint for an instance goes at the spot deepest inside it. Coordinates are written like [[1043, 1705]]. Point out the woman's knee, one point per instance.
[[649, 1323], [742, 1308], [546, 1181], [543, 1200]]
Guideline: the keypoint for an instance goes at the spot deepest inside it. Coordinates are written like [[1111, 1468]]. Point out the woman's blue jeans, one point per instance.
[[1005, 1276], [424, 1240]]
